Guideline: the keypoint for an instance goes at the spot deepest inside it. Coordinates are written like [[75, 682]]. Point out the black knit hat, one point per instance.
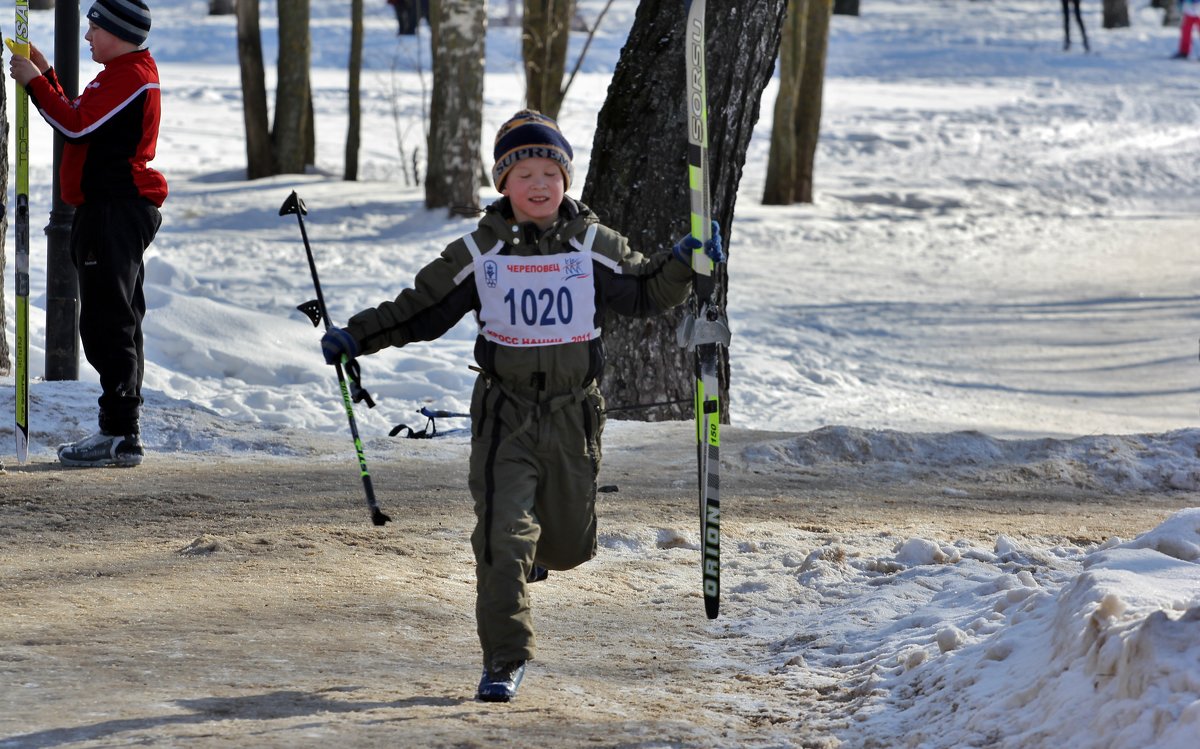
[[124, 19], [529, 134]]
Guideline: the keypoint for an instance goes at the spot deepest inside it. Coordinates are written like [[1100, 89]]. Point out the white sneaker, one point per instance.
[[102, 449]]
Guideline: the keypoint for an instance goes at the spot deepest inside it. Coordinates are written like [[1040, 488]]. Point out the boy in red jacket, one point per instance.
[[111, 132]]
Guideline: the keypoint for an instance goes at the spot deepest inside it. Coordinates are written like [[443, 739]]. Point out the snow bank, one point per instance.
[[1124, 463]]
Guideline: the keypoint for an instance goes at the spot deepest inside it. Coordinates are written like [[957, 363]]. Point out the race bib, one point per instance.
[[536, 301]]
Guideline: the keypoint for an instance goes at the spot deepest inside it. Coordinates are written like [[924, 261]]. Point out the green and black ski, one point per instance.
[[21, 47], [705, 329]]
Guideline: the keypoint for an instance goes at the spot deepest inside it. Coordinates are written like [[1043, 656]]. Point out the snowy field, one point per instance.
[[999, 275]]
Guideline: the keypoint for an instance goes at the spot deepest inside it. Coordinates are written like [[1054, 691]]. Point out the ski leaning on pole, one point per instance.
[[317, 312], [704, 330], [21, 47]]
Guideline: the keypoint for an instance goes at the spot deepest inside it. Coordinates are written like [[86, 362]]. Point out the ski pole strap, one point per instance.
[[424, 434], [358, 393], [430, 430]]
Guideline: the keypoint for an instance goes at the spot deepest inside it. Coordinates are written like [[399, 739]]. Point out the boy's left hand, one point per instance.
[[713, 247]]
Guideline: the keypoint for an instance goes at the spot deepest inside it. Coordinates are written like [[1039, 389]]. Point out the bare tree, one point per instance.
[[783, 160], [1116, 14], [637, 180], [1170, 9], [456, 108], [808, 113], [5, 358], [354, 104], [259, 160], [545, 31], [292, 105]]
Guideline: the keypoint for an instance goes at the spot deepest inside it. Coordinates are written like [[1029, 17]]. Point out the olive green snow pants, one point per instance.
[[533, 479]]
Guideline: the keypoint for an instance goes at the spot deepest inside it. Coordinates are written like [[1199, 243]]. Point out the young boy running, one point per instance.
[[538, 274], [110, 132]]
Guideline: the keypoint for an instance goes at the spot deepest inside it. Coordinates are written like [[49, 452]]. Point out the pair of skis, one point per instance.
[[21, 47], [704, 329]]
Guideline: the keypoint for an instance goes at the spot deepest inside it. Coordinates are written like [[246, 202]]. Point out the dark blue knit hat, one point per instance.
[[124, 19], [529, 134]]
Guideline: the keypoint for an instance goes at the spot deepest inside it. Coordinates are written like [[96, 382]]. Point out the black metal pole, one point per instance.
[[62, 285]]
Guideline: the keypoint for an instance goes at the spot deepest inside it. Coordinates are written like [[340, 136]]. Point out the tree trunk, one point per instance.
[[545, 31], [354, 123], [1170, 9], [5, 357], [310, 131], [783, 160], [637, 181], [456, 106], [808, 114], [1116, 14], [289, 134], [259, 162]]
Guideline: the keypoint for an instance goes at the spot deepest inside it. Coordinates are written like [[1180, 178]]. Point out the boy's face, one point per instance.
[[106, 46], [535, 189]]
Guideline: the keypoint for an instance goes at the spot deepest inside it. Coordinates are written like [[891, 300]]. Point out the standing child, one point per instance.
[[539, 274], [1190, 21], [1066, 12], [111, 132]]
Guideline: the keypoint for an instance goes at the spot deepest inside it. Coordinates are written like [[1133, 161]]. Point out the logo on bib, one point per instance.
[[573, 268], [491, 274]]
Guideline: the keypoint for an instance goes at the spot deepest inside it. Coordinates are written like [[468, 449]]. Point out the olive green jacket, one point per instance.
[[625, 281]]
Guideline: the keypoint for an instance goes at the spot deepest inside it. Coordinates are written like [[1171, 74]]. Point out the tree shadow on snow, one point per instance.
[[270, 706]]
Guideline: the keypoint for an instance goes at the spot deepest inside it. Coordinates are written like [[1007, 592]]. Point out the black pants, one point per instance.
[[108, 240]]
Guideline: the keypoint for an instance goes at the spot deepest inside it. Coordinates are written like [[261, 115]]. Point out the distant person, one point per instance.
[[110, 133], [538, 275], [409, 14], [1066, 8], [1189, 11]]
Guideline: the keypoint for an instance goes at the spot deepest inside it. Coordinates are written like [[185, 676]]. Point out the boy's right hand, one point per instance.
[[337, 343], [21, 70], [712, 248], [24, 69]]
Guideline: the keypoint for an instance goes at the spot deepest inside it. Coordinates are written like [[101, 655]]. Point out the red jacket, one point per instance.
[[111, 131]]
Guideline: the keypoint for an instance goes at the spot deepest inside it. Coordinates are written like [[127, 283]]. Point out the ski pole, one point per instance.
[[432, 414], [317, 312]]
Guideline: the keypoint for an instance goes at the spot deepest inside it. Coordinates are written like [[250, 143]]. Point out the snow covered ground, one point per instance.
[[999, 274]]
